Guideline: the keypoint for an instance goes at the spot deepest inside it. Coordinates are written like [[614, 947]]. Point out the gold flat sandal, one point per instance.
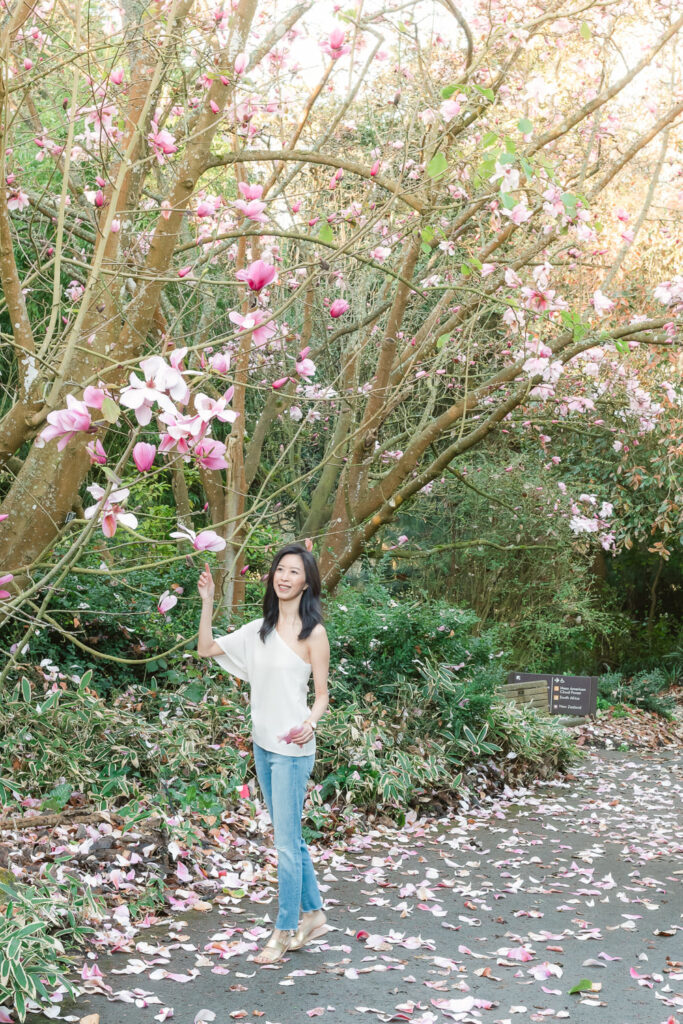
[[275, 948], [303, 936]]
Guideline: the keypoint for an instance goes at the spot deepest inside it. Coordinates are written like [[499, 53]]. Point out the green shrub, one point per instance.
[[542, 747], [374, 639], [38, 925], [643, 690]]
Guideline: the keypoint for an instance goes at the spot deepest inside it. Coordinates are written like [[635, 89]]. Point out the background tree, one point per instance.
[[312, 291]]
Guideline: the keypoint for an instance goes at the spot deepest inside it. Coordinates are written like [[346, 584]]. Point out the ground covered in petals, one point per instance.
[[560, 901]]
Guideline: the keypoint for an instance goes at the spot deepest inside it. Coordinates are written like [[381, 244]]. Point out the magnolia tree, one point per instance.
[[300, 259]]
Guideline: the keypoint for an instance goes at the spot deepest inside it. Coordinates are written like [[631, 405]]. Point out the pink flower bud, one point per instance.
[[214, 106], [143, 456], [277, 384], [240, 63], [339, 307], [184, 271], [374, 169], [116, 76]]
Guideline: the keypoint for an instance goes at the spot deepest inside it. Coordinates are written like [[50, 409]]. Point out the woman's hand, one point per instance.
[[303, 735], [206, 585]]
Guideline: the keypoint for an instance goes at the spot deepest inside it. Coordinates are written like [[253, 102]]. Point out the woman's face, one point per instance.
[[289, 578]]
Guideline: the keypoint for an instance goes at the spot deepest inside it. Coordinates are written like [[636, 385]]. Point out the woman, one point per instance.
[[276, 655]]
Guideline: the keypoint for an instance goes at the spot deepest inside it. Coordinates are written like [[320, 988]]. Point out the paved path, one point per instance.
[[488, 918]]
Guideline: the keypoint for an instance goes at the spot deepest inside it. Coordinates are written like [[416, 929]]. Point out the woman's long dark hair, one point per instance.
[[310, 608]]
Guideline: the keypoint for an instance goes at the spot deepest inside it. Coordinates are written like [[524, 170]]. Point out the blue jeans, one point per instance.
[[283, 779]]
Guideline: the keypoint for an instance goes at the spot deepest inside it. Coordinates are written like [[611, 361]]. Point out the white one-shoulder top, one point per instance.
[[278, 679]]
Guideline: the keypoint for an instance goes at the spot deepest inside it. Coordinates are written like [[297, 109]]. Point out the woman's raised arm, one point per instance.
[[206, 645]]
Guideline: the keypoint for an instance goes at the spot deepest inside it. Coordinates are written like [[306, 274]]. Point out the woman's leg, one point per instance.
[[288, 778], [310, 893], [263, 774]]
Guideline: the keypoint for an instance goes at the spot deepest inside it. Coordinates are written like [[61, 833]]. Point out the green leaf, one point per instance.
[[585, 30], [490, 138], [325, 233], [427, 233], [525, 125], [110, 410], [441, 341], [194, 692], [437, 166], [448, 91], [85, 680], [508, 201], [486, 92], [465, 270], [526, 167], [26, 690], [582, 986], [621, 346], [58, 797], [569, 203], [20, 1005], [510, 145], [23, 980]]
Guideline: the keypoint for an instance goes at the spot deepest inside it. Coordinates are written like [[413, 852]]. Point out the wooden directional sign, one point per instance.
[[567, 695]]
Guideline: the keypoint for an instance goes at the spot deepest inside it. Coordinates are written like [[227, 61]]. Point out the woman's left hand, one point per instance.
[[304, 734]]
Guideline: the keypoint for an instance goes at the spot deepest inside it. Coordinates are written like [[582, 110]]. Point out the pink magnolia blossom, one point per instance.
[[184, 271], [380, 253], [240, 64], [7, 578], [250, 191], [116, 76], [374, 170], [277, 384], [601, 303], [295, 413], [335, 45], [162, 142], [210, 453], [96, 452], [205, 208], [5, 515], [75, 290], [66, 423], [17, 200], [305, 367], [206, 540], [167, 378], [518, 214], [451, 108], [143, 456], [339, 307], [220, 362], [141, 396], [257, 275], [254, 322], [252, 210], [210, 408], [94, 397], [166, 602], [110, 509]]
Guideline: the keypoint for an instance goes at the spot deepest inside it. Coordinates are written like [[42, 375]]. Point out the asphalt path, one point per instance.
[[493, 915]]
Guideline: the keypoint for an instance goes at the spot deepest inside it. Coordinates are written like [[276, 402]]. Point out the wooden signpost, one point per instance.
[[564, 695]]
